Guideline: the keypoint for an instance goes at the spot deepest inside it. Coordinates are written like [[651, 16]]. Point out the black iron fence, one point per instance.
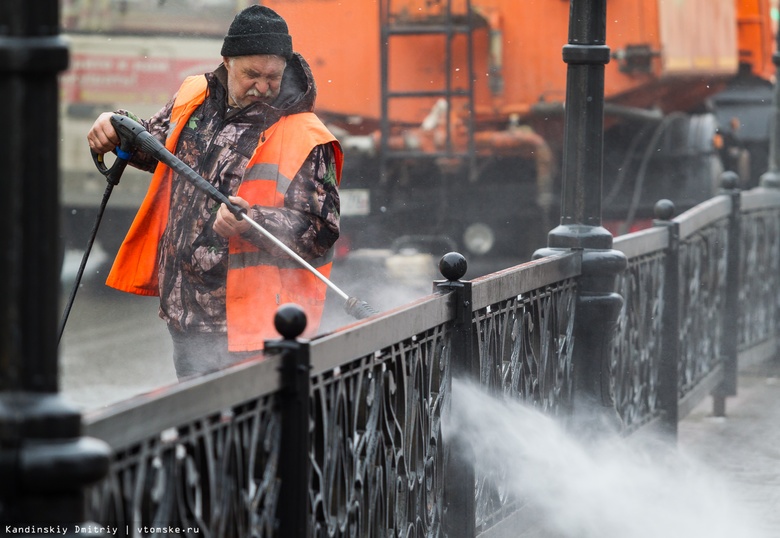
[[344, 435]]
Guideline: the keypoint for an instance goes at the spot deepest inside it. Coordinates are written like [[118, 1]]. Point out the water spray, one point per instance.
[[133, 134], [608, 486]]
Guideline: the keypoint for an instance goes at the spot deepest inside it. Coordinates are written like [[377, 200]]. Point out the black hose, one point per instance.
[[112, 175], [84, 257]]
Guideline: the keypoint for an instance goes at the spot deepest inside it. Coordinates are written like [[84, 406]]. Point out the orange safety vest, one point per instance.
[[257, 283]]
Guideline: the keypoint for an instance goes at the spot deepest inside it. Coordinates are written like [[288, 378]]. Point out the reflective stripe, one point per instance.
[[268, 171], [242, 260]]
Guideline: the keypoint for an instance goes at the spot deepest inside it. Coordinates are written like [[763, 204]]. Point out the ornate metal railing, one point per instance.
[[704, 248], [343, 435], [524, 343], [377, 453], [199, 457], [636, 359], [759, 271]]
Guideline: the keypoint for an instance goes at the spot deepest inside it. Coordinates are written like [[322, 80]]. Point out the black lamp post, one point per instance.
[[44, 462], [598, 306]]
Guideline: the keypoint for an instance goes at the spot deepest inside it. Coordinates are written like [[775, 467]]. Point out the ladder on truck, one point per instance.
[[447, 24]]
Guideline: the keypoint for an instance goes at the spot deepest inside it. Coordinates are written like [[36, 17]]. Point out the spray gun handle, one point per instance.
[[114, 173], [127, 130]]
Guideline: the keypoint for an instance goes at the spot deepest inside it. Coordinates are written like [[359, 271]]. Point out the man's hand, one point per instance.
[[226, 224], [102, 136]]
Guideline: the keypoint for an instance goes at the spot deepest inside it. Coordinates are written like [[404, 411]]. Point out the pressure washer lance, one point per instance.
[[135, 134]]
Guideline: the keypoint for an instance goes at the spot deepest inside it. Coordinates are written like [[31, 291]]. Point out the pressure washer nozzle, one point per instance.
[[358, 309]]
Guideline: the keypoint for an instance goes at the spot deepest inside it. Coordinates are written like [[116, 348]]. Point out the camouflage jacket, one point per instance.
[[217, 143]]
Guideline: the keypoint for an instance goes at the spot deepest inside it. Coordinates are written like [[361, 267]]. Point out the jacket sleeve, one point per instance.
[[309, 221]]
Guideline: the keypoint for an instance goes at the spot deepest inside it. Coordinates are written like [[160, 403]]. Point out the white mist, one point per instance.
[[611, 487]]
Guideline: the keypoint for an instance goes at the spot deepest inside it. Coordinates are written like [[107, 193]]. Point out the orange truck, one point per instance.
[[451, 111]]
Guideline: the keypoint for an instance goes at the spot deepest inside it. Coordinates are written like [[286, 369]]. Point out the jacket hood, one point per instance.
[[299, 91]]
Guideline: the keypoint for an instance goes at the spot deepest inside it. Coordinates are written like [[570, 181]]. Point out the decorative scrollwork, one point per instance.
[[377, 451], [702, 294], [635, 362], [215, 476], [759, 277], [525, 352]]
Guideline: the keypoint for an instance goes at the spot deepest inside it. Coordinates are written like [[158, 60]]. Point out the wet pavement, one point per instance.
[[114, 345], [744, 446]]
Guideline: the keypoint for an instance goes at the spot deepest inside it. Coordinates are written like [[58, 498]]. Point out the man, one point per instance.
[[247, 128]]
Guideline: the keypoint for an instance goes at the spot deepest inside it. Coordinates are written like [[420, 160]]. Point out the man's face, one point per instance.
[[254, 78]]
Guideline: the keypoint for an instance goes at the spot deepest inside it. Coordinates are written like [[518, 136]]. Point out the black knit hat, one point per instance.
[[257, 30]]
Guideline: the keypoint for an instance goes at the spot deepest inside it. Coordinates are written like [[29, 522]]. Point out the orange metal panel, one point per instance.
[[699, 37], [340, 40], [756, 41]]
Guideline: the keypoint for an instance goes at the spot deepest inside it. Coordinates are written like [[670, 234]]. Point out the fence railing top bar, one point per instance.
[[380, 331], [642, 242], [759, 198], [525, 277], [146, 415], [702, 215]]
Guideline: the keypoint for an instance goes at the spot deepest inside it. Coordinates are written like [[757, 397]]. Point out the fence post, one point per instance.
[[730, 336], [668, 382], [459, 496], [293, 516]]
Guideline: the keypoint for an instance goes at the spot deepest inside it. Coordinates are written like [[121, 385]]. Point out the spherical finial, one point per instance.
[[290, 321], [664, 209], [729, 180], [453, 266]]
